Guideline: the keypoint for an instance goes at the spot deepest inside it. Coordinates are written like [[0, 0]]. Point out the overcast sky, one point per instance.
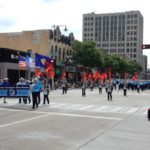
[[21, 15]]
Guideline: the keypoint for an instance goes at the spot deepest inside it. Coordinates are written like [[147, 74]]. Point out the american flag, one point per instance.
[[22, 62]]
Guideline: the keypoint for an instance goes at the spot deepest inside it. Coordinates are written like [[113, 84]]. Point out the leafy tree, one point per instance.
[[87, 54]]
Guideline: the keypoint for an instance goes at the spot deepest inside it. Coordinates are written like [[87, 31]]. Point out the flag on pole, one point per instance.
[[22, 64], [49, 69], [40, 60], [30, 62], [38, 72]]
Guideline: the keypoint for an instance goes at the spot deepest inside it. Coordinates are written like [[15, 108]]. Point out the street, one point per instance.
[[73, 122]]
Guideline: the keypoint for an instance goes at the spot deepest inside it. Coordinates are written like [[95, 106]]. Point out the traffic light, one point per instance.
[[146, 46]]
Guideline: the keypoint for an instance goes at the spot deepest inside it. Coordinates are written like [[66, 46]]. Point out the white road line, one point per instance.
[[116, 109], [72, 106], [25, 120], [132, 110], [88, 116], [86, 107], [101, 108], [57, 105]]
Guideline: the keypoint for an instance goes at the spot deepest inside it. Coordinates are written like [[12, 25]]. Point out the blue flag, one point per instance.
[[40, 60]]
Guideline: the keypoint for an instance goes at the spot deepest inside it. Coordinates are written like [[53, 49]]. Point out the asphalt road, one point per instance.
[[73, 122]]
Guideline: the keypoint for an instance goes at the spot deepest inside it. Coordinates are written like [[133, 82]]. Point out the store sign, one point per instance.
[[70, 69]]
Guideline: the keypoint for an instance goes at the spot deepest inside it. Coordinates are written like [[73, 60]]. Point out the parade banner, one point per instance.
[[14, 91]]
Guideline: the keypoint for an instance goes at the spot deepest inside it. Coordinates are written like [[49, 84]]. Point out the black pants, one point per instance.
[[83, 92], [109, 96], [39, 97], [46, 98], [100, 90], [34, 99], [138, 90], [125, 92], [64, 90]]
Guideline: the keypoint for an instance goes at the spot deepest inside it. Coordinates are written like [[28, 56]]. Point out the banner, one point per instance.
[[14, 91]]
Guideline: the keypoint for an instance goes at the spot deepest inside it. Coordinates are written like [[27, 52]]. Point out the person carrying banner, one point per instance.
[[5, 84], [20, 84]]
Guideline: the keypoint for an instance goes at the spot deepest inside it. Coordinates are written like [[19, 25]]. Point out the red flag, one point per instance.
[[50, 70], [90, 75], [38, 72], [96, 75], [135, 76], [104, 75]]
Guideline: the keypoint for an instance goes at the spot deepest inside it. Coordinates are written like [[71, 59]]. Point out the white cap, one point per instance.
[[5, 78]]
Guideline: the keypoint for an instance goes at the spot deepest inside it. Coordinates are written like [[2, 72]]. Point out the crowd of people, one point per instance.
[[38, 85]]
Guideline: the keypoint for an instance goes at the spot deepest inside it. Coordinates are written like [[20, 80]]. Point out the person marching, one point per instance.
[[45, 92], [109, 91], [5, 84], [100, 86], [39, 92], [138, 87], [91, 85], [64, 85], [35, 88], [125, 85], [20, 84], [84, 84]]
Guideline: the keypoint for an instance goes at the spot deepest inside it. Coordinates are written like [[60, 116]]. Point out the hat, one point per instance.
[[5, 78], [22, 79]]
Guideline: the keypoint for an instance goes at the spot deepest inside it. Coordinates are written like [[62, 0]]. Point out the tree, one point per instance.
[[87, 54]]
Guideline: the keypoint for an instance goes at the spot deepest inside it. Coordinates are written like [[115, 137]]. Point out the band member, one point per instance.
[[109, 91]]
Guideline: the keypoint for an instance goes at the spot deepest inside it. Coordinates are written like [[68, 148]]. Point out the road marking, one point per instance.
[[86, 107], [25, 120], [88, 116]]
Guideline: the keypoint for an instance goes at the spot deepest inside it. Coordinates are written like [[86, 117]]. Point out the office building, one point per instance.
[[116, 33]]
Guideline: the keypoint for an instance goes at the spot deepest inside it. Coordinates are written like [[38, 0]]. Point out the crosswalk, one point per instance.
[[88, 107], [101, 108]]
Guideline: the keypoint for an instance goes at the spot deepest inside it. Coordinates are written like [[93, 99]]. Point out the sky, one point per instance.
[[22, 15]]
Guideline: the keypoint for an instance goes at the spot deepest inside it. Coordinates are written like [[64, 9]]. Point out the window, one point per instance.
[[135, 15]]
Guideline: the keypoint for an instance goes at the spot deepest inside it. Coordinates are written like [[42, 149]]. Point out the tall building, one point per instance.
[[116, 33]]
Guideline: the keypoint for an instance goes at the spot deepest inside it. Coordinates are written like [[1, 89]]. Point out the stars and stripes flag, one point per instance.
[[22, 63]]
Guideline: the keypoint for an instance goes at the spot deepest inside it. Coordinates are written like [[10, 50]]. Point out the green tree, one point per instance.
[[87, 54]]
